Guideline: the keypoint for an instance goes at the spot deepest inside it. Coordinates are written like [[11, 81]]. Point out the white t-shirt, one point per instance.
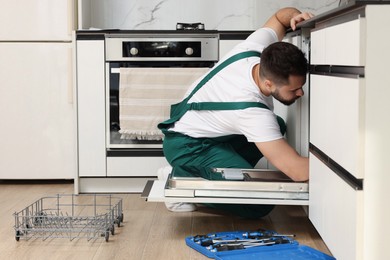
[[234, 84]]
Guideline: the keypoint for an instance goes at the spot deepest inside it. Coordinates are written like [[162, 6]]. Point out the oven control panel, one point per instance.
[[161, 49], [170, 47]]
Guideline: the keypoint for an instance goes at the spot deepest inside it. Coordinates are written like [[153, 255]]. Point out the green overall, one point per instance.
[[231, 151]]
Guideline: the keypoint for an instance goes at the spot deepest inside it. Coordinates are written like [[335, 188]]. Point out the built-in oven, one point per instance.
[[145, 74]]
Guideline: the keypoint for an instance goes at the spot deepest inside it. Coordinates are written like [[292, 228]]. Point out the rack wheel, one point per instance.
[[107, 235], [17, 235], [112, 229], [119, 219]]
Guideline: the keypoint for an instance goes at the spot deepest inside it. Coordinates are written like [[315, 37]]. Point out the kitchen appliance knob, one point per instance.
[[133, 51], [189, 51]]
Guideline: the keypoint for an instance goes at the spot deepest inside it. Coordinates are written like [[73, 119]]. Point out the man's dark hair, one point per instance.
[[280, 60]]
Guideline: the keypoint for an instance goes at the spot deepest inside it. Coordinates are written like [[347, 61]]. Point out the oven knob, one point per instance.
[[189, 51], [133, 51]]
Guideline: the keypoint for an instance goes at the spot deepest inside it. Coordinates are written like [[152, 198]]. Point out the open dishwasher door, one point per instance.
[[227, 185]]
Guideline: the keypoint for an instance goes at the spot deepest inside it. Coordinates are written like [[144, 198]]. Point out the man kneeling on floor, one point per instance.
[[230, 122]]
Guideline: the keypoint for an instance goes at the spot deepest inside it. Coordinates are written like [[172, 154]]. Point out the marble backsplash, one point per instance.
[[164, 14]]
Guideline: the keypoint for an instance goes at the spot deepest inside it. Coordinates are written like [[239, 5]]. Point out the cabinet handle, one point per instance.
[[356, 184], [71, 16], [70, 76], [336, 70]]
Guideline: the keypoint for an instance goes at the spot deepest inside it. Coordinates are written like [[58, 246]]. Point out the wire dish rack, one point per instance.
[[70, 216]]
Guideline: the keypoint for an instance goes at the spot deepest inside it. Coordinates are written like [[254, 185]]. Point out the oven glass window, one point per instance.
[[140, 97]]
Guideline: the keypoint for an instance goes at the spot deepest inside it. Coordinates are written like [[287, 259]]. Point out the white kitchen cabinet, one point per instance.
[[91, 108], [37, 20], [36, 109], [337, 120], [343, 44], [142, 166], [336, 212], [349, 132]]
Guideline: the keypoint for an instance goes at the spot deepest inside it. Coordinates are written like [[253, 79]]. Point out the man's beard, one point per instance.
[[287, 102]]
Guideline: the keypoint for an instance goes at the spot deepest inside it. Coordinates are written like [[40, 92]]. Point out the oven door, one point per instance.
[[243, 186], [139, 96]]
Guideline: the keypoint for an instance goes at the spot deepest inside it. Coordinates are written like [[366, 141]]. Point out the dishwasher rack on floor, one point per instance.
[[69, 216]]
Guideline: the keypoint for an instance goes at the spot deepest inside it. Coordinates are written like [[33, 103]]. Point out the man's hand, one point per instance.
[[299, 18], [281, 155], [286, 18]]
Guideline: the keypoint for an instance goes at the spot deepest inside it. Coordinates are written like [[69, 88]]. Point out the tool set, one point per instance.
[[258, 244]]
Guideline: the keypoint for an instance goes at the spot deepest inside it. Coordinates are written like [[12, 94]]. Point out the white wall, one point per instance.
[[164, 14]]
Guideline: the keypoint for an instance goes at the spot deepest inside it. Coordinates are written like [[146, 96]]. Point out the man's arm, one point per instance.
[[286, 18], [286, 159]]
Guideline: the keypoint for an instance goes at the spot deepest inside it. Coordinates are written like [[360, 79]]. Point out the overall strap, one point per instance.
[[236, 57], [224, 105], [179, 109]]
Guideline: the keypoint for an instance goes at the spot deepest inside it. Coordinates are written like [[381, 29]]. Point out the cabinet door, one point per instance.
[[342, 44], [37, 20], [37, 136], [91, 108], [336, 211], [337, 120]]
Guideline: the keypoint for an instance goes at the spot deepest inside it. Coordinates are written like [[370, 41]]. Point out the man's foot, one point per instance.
[[180, 206], [174, 206]]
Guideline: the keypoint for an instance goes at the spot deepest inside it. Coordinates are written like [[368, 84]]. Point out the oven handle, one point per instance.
[[135, 153], [70, 76]]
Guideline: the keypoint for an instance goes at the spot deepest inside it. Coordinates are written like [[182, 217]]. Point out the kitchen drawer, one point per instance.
[[341, 44], [337, 120], [336, 211], [134, 166]]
